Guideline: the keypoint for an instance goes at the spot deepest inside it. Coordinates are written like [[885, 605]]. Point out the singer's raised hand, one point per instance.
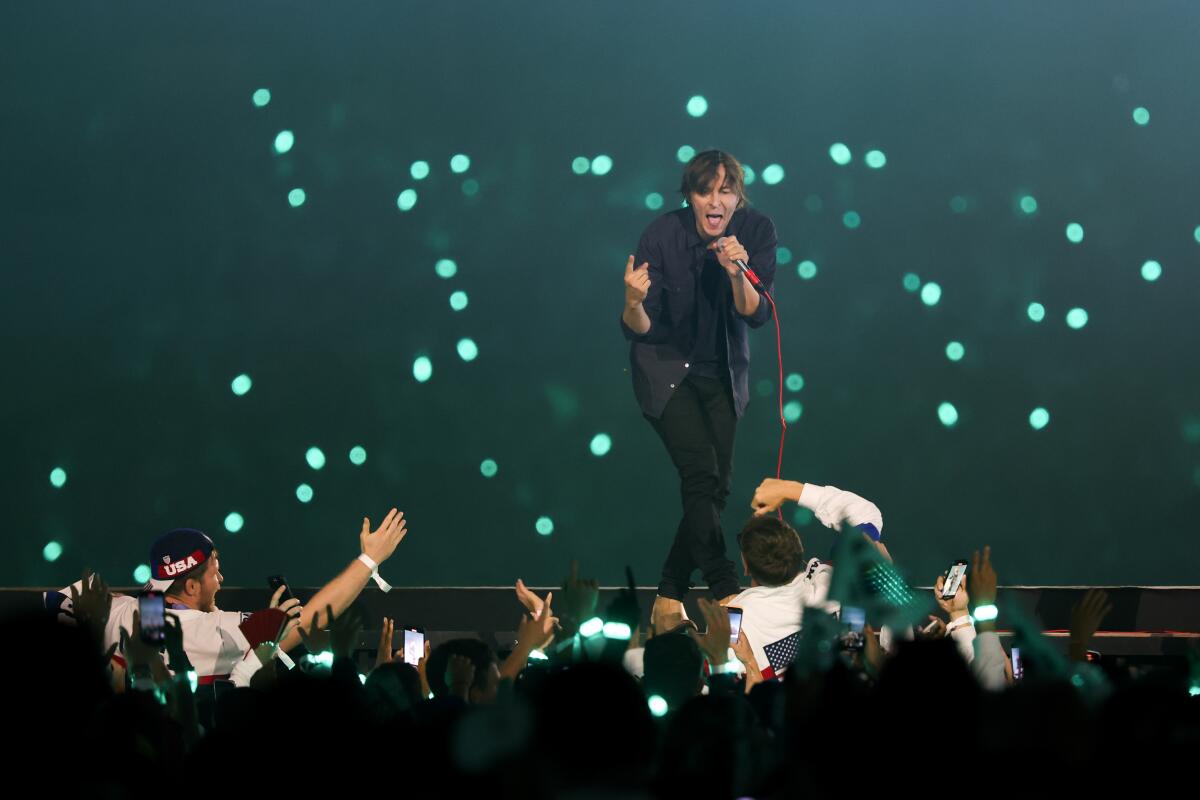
[[729, 250], [637, 282]]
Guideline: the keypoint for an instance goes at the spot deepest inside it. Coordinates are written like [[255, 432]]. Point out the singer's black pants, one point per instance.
[[698, 426]]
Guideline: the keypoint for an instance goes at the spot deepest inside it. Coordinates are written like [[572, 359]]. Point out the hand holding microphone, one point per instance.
[[734, 259]]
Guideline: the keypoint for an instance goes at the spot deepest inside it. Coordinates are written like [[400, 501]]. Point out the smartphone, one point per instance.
[[414, 645], [151, 611], [853, 620], [275, 581], [735, 623], [1017, 666], [954, 579]]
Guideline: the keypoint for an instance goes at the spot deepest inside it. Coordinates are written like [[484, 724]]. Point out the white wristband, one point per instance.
[[383, 585], [961, 622], [285, 659]]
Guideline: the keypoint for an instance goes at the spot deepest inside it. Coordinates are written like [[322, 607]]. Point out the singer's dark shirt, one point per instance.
[[692, 316]]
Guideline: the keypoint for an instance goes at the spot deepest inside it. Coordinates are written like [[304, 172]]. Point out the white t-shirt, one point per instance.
[[772, 615]]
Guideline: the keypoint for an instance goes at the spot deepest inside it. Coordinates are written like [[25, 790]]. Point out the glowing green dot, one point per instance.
[[1077, 318], [296, 197], [792, 410], [814, 203], [851, 219], [544, 526], [419, 170], [58, 477], [1141, 116], [794, 382], [241, 384], [52, 551], [658, 706], [1036, 312], [488, 468], [1075, 233], [697, 106], [1196, 234], [406, 199], [470, 187], [931, 293], [234, 522], [955, 351], [358, 455], [460, 163], [314, 457], [422, 369], [458, 300], [806, 270], [840, 154], [948, 414], [304, 493], [284, 141], [958, 204], [1028, 204], [685, 153], [601, 444], [591, 627], [875, 159], [1039, 418], [749, 176], [654, 201], [141, 574], [772, 174], [467, 349], [602, 165], [445, 268], [782, 255], [580, 165], [1151, 270], [261, 97], [911, 282]]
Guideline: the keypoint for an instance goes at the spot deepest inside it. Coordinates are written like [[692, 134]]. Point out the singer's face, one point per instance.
[[714, 207]]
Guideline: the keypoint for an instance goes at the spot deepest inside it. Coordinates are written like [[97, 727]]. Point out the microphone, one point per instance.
[[755, 281]]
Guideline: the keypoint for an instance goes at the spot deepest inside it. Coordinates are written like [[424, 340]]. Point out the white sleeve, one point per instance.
[[834, 507], [245, 669], [964, 639], [634, 661], [988, 665]]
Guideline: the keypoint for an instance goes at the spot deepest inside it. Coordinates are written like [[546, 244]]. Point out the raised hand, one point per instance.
[[956, 606], [715, 639], [580, 596], [729, 250], [378, 545], [384, 653], [344, 631], [533, 603], [637, 282], [1086, 617], [460, 674], [772, 493], [91, 604]]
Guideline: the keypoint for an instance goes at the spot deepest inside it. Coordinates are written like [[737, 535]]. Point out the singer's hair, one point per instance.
[[773, 551], [701, 171]]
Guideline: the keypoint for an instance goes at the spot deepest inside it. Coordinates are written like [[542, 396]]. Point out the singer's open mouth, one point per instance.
[[714, 219]]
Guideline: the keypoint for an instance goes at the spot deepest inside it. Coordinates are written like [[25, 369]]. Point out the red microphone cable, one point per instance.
[[758, 284]]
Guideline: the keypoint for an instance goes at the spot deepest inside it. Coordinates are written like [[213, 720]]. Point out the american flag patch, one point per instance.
[[780, 654]]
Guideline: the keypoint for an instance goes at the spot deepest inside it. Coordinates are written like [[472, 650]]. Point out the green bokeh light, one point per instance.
[[419, 170], [470, 187], [948, 414], [422, 369], [911, 282], [931, 293], [658, 706], [467, 349], [1036, 312], [955, 351], [685, 153], [234, 522], [458, 300], [1077, 318], [772, 174], [697, 106], [260, 97], [840, 154], [602, 165], [1075, 233], [1039, 418], [765, 387], [851, 219], [806, 270], [601, 444], [304, 493], [315, 457], [792, 410], [959, 204], [358, 455], [241, 384], [296, 197], [794, 382], [875, 159], [654, 201], [580, 165], [488, 468], [782, 255], [460, 163], [1028, 204], [141, 574], [1151, 271], [544, 526], [1196, 234], [406, 199], [284, 140], [445, 268], [52, 551], [1141, 116], [749, 176], [58, 477]]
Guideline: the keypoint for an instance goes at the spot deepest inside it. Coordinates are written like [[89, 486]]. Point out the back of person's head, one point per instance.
[[773, 551], [486, 680], [393, 688], [673, 664]]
